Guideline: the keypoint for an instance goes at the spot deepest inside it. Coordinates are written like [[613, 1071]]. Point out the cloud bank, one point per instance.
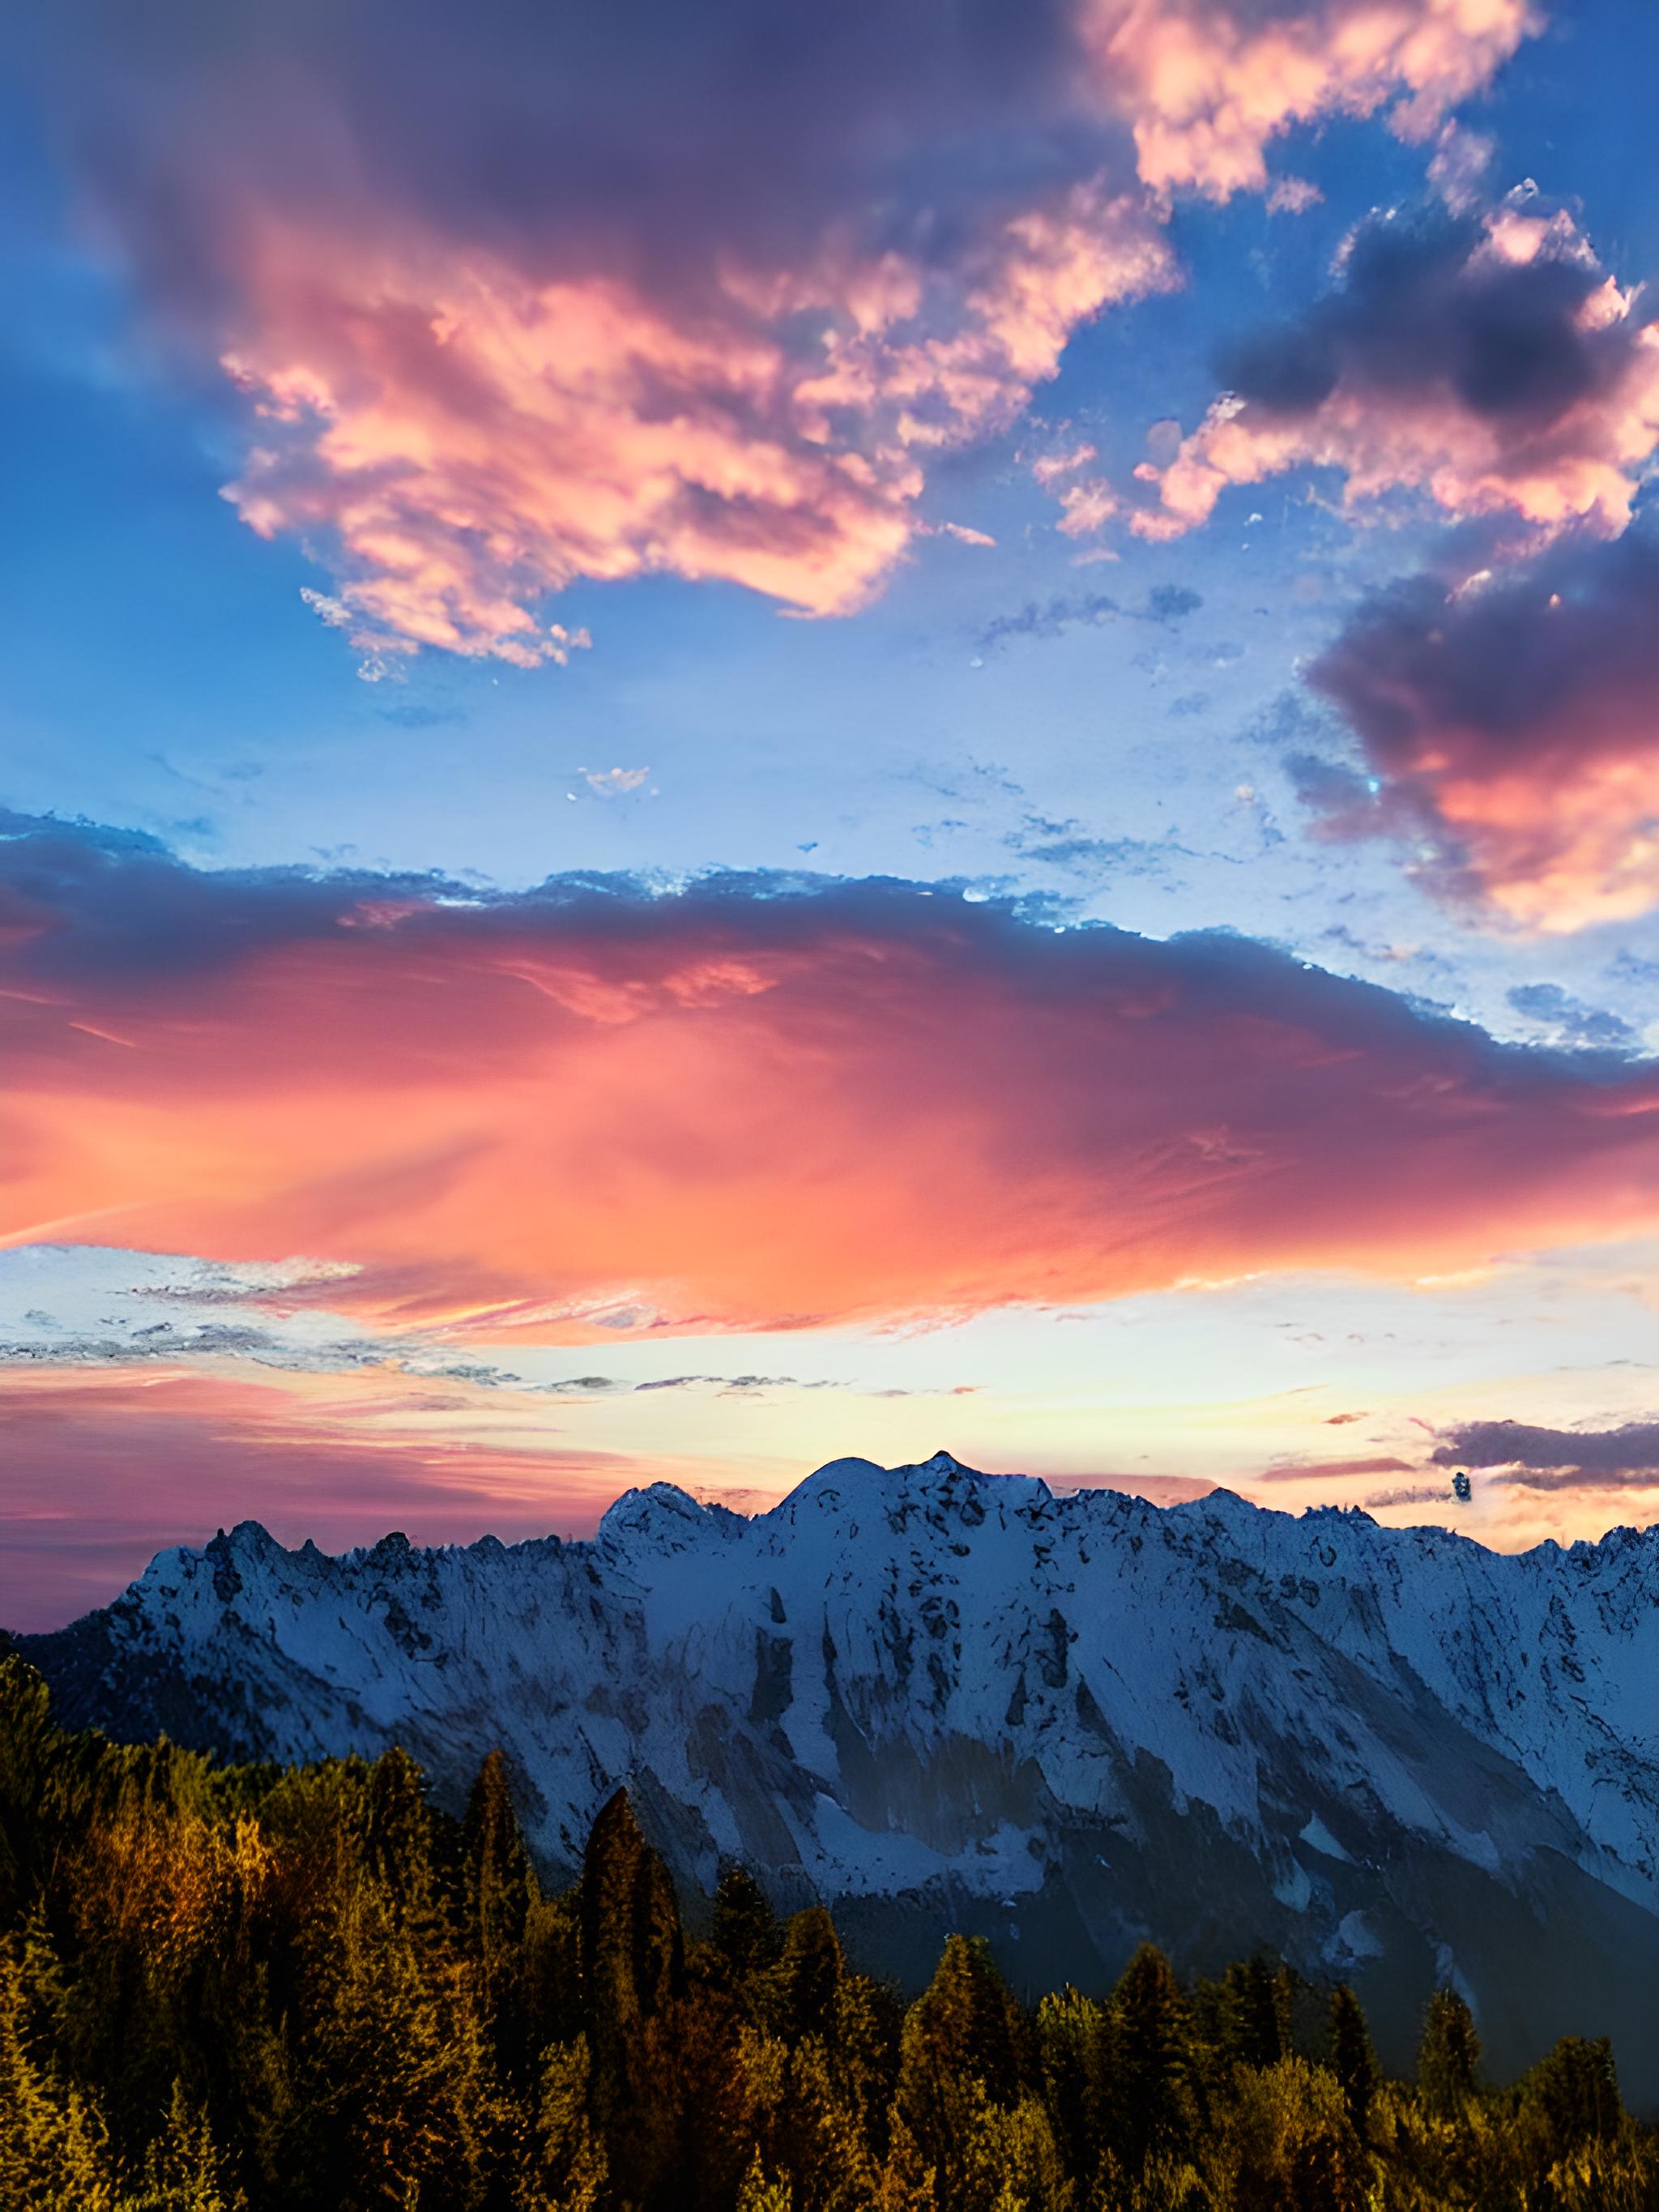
[[757, 1102], [517, 297]]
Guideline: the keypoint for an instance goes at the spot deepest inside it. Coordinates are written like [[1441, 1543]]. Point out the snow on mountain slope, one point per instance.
[[941, 1698]]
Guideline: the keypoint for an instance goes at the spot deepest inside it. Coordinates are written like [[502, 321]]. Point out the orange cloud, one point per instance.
[[577, 1110]]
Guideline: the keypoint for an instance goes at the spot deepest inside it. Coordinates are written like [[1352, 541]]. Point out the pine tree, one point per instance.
[[821, 2139], [744, 1931], [501, 1891], [1253, 2031], [1353, 2061], [1576, 2089], [865, 2048], [632, 1966], [1448, 2057], [906, 2182], [571, 2168], [1013, 2163], [397, 1841], [183, 2169], [1149, 2099], [1070, 2031], [800, 1990], [963, 2042]]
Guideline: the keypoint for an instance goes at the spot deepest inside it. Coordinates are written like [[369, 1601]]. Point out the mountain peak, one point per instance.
[[948, 1698]]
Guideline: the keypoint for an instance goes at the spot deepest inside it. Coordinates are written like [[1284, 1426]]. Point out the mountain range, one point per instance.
[[937, 1700]]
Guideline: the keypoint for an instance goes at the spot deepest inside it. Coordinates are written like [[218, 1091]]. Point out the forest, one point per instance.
[[307, 1987]]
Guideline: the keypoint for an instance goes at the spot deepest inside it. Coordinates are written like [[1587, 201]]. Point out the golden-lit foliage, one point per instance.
[[230, 1988]]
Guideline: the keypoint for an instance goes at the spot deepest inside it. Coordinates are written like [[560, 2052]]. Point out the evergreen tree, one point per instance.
[[822, 2142], [1353, 2061], [906, 2182], [744, 1931], [961, 2043], [570, 2164], [1013, 2163], [54, 2148], [763, 2192], [1071, 2035], [183, 2168], [800, 1990], [716, 2124], [1576, 2090], [1448, 2057], [1149, 2093], [500, 1892], [632, 1966], [398, 1844], [1252, 2028], [868, 2022]]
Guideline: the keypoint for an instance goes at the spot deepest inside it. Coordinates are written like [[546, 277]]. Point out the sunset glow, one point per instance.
[[738, 742]]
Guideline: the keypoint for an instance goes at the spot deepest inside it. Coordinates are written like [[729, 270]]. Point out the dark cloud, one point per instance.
[[1486, 359], [1534, 1458], [1053, 617], [1571, 1019], [172, 1343], [1171, 602], [1515, 723], [614, 132], [1423, 303], [1412, 1494], [738, 1385], [761, 238], [1067, 844]]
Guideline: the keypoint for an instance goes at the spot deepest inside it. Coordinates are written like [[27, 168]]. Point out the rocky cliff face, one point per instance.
[[937, 1699]]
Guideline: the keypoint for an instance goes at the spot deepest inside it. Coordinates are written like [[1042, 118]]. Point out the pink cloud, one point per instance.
[[1294, 195], [1512, 726], [1489, 364], [578, 1111], [516, 303], [1208, 88]]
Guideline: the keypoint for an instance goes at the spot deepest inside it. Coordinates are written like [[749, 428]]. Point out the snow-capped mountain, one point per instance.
[[935, 1697]]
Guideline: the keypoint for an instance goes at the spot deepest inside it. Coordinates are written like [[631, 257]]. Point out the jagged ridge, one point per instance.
[[936, 1697]]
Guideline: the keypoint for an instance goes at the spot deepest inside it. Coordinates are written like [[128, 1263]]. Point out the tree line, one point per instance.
[[228, 1989]]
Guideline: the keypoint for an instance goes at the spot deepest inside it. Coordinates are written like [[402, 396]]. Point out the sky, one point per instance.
[[732, 738]]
